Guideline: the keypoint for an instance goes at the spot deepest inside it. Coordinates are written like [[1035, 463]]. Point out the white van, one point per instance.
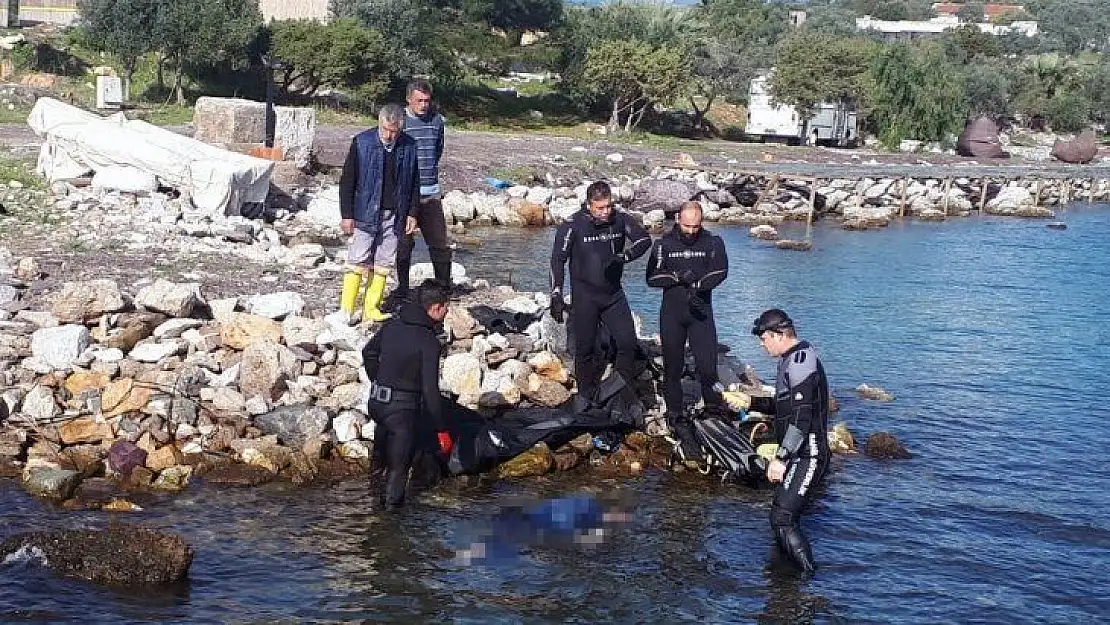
[[831, 124]]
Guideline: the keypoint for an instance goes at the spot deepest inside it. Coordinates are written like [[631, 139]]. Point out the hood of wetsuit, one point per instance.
[[774, 319]]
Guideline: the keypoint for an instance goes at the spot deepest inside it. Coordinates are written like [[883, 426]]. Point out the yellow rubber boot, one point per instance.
[[375, 293], [348, 299]]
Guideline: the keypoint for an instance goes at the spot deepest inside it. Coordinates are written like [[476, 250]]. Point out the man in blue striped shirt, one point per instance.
[[425, 125]]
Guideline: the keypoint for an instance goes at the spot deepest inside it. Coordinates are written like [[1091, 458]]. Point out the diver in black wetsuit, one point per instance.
[[801, 416], [598, 241], [402, 362], [688, 263]]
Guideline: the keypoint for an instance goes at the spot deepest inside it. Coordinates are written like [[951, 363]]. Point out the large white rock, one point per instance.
[[347, 426], [156, 352], [39, 404], [174, 328], [301, 330], [654, 218], [539, 195], [522, 304], [276, 305], [461, 374], [486, 205], [62, 346], [420, 272], [238, 121], [562, 209], [323, 209], [173, 299], [458, 205], [81, 301], [1010, 198]]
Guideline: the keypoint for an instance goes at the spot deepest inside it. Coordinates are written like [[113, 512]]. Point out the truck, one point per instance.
[[831, 124]]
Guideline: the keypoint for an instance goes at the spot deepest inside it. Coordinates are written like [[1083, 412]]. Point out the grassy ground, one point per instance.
[[19, 171]]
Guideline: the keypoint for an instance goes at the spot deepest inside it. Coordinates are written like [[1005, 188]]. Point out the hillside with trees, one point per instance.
[[626, 65]]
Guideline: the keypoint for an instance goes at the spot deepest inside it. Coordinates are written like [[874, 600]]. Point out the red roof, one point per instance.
[[990, 10]]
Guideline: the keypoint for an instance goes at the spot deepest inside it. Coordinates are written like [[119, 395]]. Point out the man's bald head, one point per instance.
[[689, 218]]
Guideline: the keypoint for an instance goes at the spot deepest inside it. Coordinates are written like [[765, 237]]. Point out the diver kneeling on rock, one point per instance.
[[800, 409], [402, 362]]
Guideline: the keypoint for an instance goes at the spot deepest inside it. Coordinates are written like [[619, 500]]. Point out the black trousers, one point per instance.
[[394, 447], [677, 325], [433, 227], [792, 496], [590, 310]]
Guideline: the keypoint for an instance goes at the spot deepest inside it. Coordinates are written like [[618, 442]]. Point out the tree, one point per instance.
[[732, 41], [988, 91], [342, 54], [916, 94], [197, 35], [121, 28], [516, 16], [1073, 25], [415, 32], [632, 75], [583, 28], [1068, 112], [967, 43], [814, 67]]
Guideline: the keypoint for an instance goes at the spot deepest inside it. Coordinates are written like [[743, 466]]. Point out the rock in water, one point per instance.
[[122, 555], [874, 392], [884, 446], [535, 461]]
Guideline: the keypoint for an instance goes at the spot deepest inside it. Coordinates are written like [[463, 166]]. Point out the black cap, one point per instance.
[[774, 319]]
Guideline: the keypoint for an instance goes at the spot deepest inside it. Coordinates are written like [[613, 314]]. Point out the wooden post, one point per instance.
[[812, 208], [1037, 194], [947, 188], [902, 203], [769, 190], [985, 182]]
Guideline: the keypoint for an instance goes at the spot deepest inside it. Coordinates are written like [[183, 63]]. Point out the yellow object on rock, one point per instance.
[[767, 450]]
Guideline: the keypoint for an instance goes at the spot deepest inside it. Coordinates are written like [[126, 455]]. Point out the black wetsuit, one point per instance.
[[687, 269], [801, 416], [404, 357], [597, 254]]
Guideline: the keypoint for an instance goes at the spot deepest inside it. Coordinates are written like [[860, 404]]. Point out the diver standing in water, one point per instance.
[[800, 409], [688, 263], [402, 362], [598, 241]]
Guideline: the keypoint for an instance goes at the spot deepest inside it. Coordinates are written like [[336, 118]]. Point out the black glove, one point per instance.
[[698, 305], [687, 278], [558, 306]]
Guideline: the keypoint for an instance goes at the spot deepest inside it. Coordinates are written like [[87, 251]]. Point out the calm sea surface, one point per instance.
[[992, 333]]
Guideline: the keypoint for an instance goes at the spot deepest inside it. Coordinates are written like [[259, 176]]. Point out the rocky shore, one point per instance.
[[106, 390]]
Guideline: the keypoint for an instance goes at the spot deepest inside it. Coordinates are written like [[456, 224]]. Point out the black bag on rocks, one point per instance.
[[482, 444]]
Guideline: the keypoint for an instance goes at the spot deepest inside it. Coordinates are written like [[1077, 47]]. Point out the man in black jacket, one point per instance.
[[402, 362], [598, 241], [688, 263], [800, 409]]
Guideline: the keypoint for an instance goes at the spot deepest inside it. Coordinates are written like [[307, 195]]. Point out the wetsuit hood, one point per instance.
[[413, 314]]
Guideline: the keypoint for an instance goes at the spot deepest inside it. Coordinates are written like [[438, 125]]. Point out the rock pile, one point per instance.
[[733, 199]]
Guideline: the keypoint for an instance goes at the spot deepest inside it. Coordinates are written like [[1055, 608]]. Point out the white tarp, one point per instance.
[[77, 142]]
